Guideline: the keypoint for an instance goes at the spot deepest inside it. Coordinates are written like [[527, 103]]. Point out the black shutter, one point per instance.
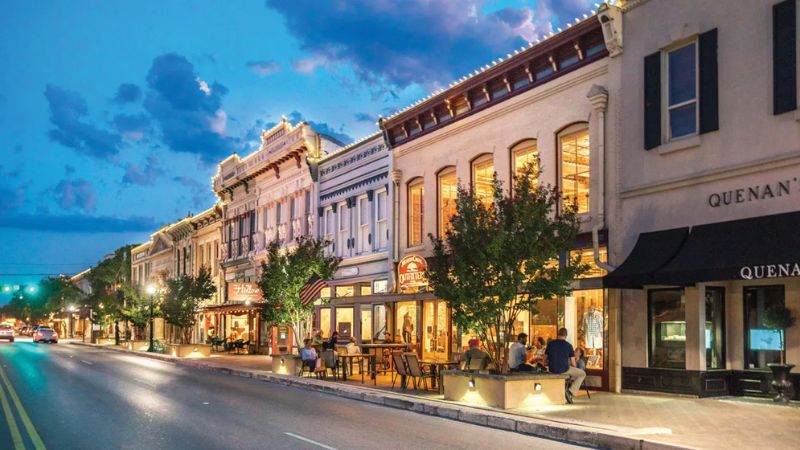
[[709, 87], [784, 57], [652, 101]]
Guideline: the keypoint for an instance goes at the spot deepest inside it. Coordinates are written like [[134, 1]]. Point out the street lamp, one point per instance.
[[151, 291]]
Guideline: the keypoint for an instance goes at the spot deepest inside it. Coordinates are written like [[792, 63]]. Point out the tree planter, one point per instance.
[[138, 346], [781, 382], [504, 391], [188, 350], [104, 341], [285, 364]]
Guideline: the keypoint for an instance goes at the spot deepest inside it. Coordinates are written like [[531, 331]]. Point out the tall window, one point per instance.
[[252, 229], [281, 233], [292, 217], [307, 218], [715, 327], [364, 244], [524, 153], [329, 230], [448, 191], [342, 246], [682, 90], [381, 220], [575, 168], [482, 177], [667, 319], [415, 211], [762, 345]]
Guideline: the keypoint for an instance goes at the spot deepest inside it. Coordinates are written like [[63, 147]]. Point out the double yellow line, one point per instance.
[[16, 436]]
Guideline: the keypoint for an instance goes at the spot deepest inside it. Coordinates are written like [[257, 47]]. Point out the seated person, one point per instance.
[[309, 355], [517, 357], [561, 359], [580, 359], [351, 347], [475, 357]]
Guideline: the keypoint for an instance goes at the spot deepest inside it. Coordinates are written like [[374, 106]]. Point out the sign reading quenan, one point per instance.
[[770, 271], [242, 292], [411, 272]]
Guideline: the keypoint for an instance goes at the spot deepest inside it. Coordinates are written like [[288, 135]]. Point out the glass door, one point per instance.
[[715, 328], [435, 341], [366, 324]]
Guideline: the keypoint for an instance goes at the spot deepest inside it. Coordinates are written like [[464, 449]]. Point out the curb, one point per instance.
[[560, 431]]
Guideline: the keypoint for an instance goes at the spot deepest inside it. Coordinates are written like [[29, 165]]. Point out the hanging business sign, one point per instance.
[[242, 292], [411, 272], [770, 271]]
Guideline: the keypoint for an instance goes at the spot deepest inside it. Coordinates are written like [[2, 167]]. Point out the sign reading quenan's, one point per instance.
[[770, 271], [411, 272]]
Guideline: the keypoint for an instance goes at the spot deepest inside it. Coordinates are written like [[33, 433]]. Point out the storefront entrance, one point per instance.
[[435, 320]]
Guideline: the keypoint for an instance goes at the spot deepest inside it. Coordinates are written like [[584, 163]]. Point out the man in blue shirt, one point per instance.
[[561, 359]]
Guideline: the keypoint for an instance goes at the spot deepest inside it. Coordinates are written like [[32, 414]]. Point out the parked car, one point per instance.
[[44, 334], [7, 332]]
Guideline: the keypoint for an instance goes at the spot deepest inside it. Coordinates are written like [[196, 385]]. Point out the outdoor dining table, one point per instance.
[[437, 365], [346, 361], [375, 348]]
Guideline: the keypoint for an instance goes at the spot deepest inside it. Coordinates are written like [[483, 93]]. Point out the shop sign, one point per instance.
[[242, 292], [349, 271], [754, 193], [411, 272], [770, 271]]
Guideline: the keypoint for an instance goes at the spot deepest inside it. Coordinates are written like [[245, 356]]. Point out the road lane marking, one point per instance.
[[16, 437], [23, 415], [308, 440], [87, 362]]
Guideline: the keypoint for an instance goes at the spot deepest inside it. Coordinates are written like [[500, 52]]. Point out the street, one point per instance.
[[84, 398]]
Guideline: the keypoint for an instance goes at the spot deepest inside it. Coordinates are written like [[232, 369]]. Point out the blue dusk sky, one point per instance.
[[113, 114]]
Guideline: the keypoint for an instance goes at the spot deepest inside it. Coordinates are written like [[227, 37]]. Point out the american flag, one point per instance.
[[311, 289]]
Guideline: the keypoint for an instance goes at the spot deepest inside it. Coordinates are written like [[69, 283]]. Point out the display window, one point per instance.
[[325, 322], [344, 322], [379, 324], [239, 327], [435, 317], [715, 328], [544, 322], [667, 323], [586, 310], [366, 324], [586, 256], [762, 345], [406, 323]]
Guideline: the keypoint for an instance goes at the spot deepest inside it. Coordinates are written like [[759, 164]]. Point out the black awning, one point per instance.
[[652, 251], [761, 247]]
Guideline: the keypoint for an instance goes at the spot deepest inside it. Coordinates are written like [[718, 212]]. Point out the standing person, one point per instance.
[[517, 356], [561, 359], [309, 355], [332, 341]]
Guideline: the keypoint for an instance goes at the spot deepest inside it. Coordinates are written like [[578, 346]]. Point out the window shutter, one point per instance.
[[652, 101], [784, 57], [709, 87]]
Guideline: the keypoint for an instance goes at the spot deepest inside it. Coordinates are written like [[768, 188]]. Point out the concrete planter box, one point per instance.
[[104, 341], [504, 391], [285, 364], [138, 346], [188, 350]]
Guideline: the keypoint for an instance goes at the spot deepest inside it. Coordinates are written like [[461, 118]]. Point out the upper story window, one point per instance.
[[281, 233], [483, 177], [522, 154], [328, 228], [381, 219], [342, 246], [682, 91], [574, 149], [416, 196], [448, 192], [364, 238]]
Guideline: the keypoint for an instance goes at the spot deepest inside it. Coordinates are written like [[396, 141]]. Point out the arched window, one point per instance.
[[573, 143], [416, 200], [524, 153], [482, 177], [448, 192]]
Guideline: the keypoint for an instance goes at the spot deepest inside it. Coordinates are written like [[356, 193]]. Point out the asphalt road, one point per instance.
[[82, 398]]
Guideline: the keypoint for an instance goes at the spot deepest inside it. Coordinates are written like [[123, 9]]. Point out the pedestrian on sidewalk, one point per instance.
[[561, 359]]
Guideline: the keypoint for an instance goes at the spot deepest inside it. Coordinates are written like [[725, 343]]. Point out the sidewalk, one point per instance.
[[606, 420]]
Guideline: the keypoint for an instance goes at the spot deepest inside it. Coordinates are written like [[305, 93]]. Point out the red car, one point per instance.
[[44, 334], [7, 333]]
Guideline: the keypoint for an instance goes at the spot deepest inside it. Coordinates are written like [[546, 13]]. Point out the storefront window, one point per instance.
[[523, 154], [415, 211], [380, 286], [575, 168], [366, 289], [240, 327], [344, 291], [344, 322], [544, 323], [762, 345], [667, 318], [586, 256], [482, 178], [379, 322], [366, 324], [584, 318], [435, 332], [325, 322], [406, 322], [325, 293], [448, 192], [715, 328]]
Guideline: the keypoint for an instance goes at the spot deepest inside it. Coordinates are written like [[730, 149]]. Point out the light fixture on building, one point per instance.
[[537, 386], [151, 289], [471, 384]]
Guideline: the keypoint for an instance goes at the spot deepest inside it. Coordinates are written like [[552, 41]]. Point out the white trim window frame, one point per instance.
[[683, 101], [329, 228], [363, 207], [343, 230], [381, 238]]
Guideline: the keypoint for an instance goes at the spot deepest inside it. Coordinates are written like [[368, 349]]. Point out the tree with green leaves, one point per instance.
[[183, 298], [284, 274], [106, 279], [137, 309], [500, 257]]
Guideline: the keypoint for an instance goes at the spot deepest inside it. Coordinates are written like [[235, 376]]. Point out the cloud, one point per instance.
[[320, 127], [135, 174], [264, 68], [132, 127], [423, 42], [127, 93], [365, 117], [77, 223], [200, 196], [75, 194], [187, 109], [67, 108]]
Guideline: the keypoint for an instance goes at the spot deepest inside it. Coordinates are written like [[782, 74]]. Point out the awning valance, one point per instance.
[[652, 251], [234, 308]]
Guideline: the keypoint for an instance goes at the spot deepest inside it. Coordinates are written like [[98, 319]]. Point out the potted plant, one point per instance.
[[779, 317]]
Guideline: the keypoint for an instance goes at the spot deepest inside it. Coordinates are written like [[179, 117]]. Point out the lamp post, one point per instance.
[[151, 290]]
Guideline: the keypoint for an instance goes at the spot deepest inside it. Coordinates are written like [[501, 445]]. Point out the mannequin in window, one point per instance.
[[593, 328]]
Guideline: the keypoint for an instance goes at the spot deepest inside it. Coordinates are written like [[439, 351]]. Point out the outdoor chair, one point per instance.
[[381, 365], [475, 364], [304, 368], [240, 345], [416, 372], [400, 370], [330, 361]]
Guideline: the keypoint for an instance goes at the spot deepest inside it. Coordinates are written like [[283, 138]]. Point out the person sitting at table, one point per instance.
[[475, 357], [351, 347], [387, 337], [517, 357], [309, 355], [580, 359], [561, 359]]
